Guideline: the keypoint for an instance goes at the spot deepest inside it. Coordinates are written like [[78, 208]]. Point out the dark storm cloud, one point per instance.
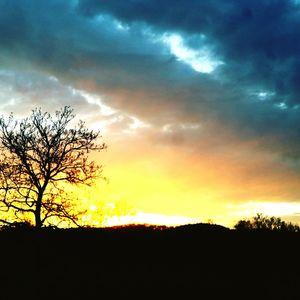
[[52, 34], [52, 37], [192, 16], [259, 43], [255, 92], [258, 38]]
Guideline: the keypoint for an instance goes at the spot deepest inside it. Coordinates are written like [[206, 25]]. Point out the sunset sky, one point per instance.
[[198, 101]]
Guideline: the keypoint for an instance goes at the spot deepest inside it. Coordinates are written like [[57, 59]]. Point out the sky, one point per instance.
[[197, 101]]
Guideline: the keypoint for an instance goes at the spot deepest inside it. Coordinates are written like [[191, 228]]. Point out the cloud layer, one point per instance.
[[218, 79]]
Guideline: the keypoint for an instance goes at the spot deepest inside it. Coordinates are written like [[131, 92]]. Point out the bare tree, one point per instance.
[[38, 156]]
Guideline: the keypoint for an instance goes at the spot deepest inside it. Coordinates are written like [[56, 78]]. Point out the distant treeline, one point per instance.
[[261, 222]]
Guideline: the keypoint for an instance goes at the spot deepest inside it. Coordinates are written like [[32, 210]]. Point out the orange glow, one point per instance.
[[163, 183]]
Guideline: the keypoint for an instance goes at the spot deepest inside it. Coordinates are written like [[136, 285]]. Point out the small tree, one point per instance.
[[38, 156]]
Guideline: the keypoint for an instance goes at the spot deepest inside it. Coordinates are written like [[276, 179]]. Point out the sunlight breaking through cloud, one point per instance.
[[200, 60], [94, 99], [112, 115], [265, 95]]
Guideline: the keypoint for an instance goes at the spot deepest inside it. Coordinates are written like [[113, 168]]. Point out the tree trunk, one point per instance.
[[38, 221]]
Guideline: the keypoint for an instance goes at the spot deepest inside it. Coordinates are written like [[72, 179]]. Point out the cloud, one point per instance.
[[198, 101], [255, 38], [264, 62], [245, 84]]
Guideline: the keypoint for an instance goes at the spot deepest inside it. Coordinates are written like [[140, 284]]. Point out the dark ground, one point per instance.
[[189, 262]]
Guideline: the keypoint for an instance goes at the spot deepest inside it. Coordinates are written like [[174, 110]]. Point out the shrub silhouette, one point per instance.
[[20, 226], [261, 222]]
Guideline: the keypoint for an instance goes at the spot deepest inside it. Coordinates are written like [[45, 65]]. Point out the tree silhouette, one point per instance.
[[38, 155], [261, 222]]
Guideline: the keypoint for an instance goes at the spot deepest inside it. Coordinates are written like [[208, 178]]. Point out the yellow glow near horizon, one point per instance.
[[171, 187], [150, 219]]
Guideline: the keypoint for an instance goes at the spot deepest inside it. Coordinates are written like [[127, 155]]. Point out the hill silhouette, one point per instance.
[[199, 261]]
